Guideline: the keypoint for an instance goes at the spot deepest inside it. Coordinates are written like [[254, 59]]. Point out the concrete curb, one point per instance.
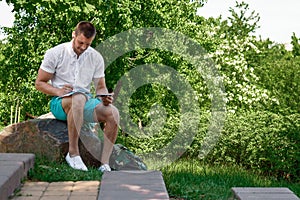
[[13, 168]]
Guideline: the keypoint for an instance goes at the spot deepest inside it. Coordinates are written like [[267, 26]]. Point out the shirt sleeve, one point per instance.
[[99, 72], [49, 61]]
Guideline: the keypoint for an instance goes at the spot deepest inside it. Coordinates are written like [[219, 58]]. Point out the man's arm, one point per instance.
[[100, 86], [102, 89], [41, 84]]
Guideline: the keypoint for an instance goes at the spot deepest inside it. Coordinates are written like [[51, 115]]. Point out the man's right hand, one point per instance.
[[67, 88]]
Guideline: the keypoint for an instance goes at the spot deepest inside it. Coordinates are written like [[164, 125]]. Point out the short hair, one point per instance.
[[85, 28]]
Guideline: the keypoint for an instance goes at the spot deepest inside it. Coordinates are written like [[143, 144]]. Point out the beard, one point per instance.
[[76, 49]]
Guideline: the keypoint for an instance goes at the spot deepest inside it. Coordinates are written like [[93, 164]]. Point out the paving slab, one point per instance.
[[13, 168], [264, 193], [68, 190], [27, 159], [132, 185]]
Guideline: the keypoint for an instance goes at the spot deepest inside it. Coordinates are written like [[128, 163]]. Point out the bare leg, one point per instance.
[[110, 136], [109, 115], [74, 106]]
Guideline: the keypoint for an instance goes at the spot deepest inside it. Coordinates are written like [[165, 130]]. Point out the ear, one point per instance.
[[73, 34]]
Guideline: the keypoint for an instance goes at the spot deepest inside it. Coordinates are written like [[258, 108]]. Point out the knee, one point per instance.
[[115, 117], [78, 102], [107, 114], [111, 115]]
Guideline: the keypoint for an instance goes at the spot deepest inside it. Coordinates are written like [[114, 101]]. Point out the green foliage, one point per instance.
[[296, 45], [260, 140], [230, 54], [242, 22], [43, 24], [278, 73]]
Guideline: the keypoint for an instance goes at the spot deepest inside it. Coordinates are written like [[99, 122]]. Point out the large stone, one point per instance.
[[49, 138]]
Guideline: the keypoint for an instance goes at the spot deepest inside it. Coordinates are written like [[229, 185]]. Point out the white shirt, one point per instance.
[[62, 61]]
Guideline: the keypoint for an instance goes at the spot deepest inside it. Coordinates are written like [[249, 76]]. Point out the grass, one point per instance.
[[48, 171], [191, 179], [185, 179]]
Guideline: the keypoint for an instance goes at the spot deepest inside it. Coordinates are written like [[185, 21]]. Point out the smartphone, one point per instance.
[[103, 95]]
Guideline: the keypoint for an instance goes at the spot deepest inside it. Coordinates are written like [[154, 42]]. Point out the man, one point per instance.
[[66, 73]]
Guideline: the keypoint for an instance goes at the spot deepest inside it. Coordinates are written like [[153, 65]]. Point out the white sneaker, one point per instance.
[[104, 168], [76, 162]]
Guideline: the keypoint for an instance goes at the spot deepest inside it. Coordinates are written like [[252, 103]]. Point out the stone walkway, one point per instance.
[[87, 190], [115, 185]]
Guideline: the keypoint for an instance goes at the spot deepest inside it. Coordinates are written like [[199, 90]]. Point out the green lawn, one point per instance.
[[193, 180], [185, 179]]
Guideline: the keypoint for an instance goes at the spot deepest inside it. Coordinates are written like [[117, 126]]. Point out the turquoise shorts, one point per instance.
[[59, 113]]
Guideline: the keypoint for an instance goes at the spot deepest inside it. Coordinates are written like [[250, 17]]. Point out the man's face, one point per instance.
[[81, 43]]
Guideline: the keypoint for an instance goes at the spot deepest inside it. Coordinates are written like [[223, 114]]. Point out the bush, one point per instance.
[[260, 140]]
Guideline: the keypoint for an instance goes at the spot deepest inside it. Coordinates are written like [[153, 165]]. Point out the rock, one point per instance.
[[47, 116], [48, 137]]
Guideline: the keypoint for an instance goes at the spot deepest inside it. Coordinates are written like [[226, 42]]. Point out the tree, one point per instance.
[[231, 42], [278, 72], [296, 45], [40, 25]]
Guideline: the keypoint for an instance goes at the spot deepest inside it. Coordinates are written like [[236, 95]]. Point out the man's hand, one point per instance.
[[107, 99], [67, 88]]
